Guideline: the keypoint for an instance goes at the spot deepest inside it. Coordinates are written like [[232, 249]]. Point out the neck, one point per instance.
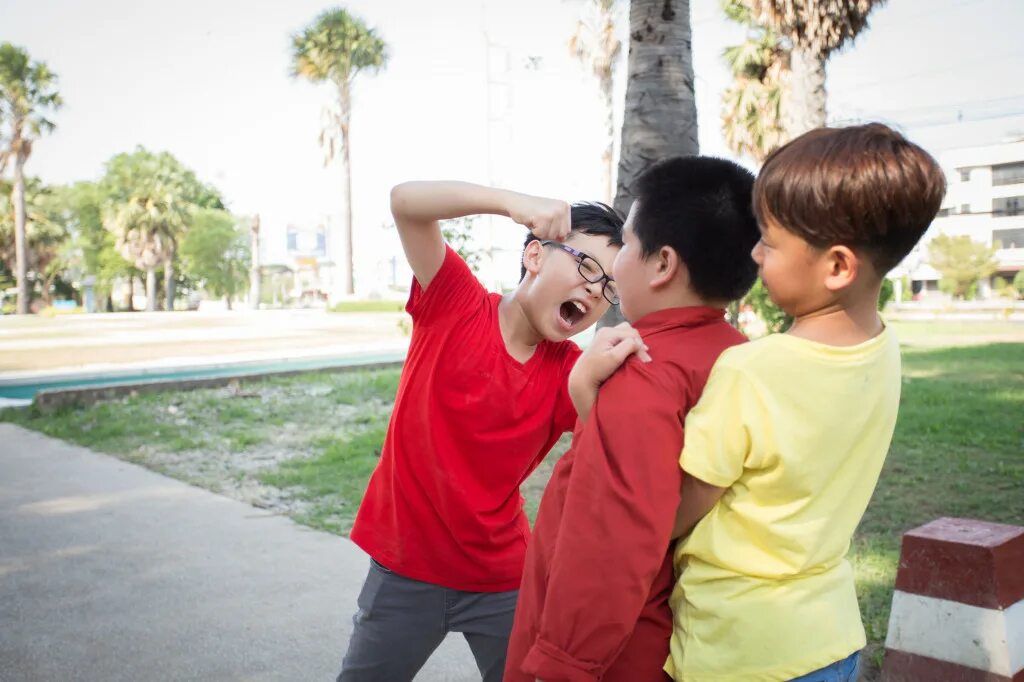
[[518, 333], [684, 298], [841, 323]]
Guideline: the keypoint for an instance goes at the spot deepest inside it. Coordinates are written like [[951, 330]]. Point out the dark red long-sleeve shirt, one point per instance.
[[593, 604]]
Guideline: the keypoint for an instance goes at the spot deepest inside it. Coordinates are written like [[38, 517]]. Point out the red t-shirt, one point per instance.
[[594, 599], [469, 425]]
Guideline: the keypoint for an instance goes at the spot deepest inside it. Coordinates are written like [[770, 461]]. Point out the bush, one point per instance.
[[887, 294], [774, 319]]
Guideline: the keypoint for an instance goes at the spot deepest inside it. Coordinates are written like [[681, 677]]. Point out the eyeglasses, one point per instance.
[[590, 270]]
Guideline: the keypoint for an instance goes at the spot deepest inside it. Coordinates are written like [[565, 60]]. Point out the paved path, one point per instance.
[[111, 572]]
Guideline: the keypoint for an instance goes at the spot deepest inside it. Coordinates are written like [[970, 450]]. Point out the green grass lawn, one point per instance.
[[958, 448]]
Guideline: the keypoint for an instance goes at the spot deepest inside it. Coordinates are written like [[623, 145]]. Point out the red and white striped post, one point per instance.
[[958, 610]]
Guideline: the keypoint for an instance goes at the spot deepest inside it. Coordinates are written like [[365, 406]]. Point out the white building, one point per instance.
[[985, 201]]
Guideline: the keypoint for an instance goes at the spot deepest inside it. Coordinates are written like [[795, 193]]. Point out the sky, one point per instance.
[[477, 90]]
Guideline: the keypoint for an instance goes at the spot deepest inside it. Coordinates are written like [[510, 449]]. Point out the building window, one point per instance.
[[965, 174], [943, 212], [965, 209], [1009, 239], [1008, 173], [1008, 206]]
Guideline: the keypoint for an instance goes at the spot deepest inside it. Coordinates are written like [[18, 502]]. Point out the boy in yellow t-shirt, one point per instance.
[[784, 449]]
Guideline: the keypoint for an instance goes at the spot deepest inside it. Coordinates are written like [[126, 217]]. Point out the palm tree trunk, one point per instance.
[[169, 282], [47, 282], [608, 157], [803, 107], [254, 269], [660, 118], [20, 237], [131, 293], [150, 289], [345, 109]]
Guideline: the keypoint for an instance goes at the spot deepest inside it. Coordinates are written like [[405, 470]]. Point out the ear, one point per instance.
[[666, 264], [532, 256], [842, 265]]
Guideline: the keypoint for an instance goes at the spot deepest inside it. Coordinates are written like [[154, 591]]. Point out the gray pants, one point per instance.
[[400, 622]]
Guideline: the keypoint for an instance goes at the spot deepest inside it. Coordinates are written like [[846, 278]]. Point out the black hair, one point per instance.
[[702, 208], [589, 217]]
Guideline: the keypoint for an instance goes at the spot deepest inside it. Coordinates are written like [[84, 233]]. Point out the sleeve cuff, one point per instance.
[[551, 664]]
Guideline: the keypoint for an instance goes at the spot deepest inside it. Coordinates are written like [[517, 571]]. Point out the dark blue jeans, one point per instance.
[[845, 670]]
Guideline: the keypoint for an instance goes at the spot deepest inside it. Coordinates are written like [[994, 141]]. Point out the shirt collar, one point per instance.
[[669, 318]]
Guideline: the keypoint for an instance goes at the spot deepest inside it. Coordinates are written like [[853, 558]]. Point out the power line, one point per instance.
[[962, 65]]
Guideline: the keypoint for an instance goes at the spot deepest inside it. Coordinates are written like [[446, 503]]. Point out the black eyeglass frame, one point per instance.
[[581, 258]]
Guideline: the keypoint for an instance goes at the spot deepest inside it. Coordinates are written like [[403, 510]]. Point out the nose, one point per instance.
[[757, 253], [593, 290]]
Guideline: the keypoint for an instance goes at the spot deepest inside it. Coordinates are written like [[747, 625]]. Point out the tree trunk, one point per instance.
[[608, 157], [131, 293], [345, 108], [227, 301], [20, 236], [169, 282], [150, 289], [47, 282], [660, 118], [254, 270], [803, 105]]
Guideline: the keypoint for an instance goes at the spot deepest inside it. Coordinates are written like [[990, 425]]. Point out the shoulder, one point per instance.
[[750, 356], [640, 387]]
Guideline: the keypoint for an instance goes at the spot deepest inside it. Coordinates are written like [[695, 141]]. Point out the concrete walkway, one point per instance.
[[109, 572]]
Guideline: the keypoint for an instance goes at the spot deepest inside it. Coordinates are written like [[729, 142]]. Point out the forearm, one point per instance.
[[697, 499], [583, 393], [428, 201]]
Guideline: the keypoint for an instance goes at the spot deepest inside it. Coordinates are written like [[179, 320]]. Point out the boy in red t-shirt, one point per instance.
[[482, 398]]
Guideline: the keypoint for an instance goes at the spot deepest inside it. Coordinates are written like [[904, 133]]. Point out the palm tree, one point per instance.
[[660, 118], [336, 47], [595, 44], [815, 29], [149, 202], [751, 106], [27, 96], [47, 240], [146, 228]]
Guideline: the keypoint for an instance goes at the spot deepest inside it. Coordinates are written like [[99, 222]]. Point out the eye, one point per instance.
[[588, 267]]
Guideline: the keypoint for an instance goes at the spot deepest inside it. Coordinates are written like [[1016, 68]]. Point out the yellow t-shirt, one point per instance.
[[797, 431]]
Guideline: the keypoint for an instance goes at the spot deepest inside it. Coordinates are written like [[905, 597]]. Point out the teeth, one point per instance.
[[580, 307]]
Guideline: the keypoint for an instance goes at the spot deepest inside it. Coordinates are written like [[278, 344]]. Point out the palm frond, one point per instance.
[[819, 26]]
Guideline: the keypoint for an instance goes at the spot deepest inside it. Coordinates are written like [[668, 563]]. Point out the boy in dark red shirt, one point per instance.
[[594, 598], [482, 398]]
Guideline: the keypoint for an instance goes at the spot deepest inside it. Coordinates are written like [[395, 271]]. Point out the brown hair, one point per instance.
[[866, 187]]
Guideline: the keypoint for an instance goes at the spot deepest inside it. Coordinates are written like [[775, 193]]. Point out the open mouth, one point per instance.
[[571, 312]]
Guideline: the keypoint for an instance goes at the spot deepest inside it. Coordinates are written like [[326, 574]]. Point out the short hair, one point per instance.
[[700, 206], [865, 186], [588, 217]]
